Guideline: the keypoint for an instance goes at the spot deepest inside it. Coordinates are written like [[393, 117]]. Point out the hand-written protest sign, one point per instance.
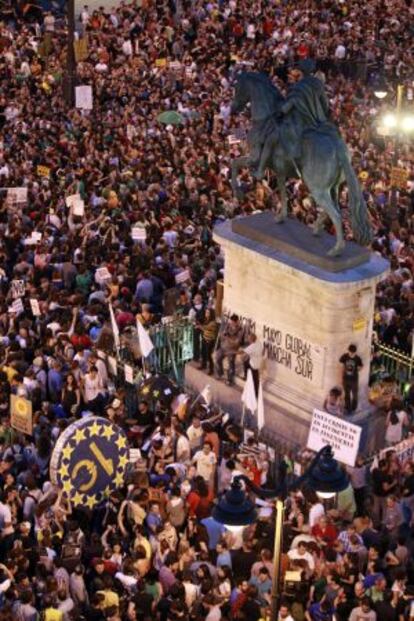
[[21, 414], [404, 450], [17, 288], [17, 196], [17, 307], [342, 436]]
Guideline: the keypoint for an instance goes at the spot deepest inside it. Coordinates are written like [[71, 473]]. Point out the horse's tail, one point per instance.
[[361, 226]]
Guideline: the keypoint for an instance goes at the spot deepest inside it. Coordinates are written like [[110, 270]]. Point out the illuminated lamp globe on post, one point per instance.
[[235, 509]]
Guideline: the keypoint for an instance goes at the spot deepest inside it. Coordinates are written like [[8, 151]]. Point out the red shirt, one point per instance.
[[329, 534], [199, 506]]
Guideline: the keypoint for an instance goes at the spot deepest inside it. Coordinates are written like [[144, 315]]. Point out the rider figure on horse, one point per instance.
[[306, 107]]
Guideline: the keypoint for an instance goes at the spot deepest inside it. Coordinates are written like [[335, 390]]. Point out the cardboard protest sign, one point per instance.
[[43, 171], [21, 414]]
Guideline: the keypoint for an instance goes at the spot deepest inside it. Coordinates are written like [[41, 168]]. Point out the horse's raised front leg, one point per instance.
[[324, 200], [237, 164], [281, 186]]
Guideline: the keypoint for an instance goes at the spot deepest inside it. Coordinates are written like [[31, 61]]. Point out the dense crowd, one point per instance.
[[152, 550]]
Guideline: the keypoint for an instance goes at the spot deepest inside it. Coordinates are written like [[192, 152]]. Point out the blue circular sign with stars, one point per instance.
[[89, 460]]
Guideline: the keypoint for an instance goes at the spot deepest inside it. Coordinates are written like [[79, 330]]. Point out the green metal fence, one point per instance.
[[396, 363], [173, 343]]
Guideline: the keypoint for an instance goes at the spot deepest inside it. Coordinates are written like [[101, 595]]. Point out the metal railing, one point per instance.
[[173, 344], [396, 363]]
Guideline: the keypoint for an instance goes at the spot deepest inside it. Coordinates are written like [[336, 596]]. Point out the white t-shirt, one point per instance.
[[295, 556], [316, 512], [6, 518], [194, 435], [205, 464], [394, 432], [92, 387]]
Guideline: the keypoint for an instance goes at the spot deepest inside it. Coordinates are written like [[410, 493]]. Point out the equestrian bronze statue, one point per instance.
[[294, 137]]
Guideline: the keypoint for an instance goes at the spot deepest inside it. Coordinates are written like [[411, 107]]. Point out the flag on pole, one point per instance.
[[260, 408], [206, 394], [249, 394], [114, 325], [145, 344]]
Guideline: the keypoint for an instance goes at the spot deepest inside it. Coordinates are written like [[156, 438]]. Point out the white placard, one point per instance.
[[130, 132], [182, 277], [84, 97], [129, 374], [35, 307], [34, 239], [102, 275], [404, 450], [138, 233], [17, 307], [232, 139], [297, 469], [112, 365], [17, 195], [341, 435], [18, 288], [71, 199], [78, 207]]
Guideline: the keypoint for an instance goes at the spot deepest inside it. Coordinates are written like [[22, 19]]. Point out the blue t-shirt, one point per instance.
[[317, 614], [214, 531]]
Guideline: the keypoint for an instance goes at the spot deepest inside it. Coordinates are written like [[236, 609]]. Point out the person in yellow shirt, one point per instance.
[[110, 597], [51, 613]]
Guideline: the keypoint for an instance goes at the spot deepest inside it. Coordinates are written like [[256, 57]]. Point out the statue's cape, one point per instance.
[[309, 100]]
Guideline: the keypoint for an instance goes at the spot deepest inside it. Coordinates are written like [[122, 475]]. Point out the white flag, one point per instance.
[[145, 342], [249, 394], [260, 408], [114, 325], [206, 394]]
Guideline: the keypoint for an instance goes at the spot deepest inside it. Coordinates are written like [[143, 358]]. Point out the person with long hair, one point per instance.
[[71, 395], [200, 499]]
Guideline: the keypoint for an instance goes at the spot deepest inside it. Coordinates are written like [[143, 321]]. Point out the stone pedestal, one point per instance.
[[305, 308]]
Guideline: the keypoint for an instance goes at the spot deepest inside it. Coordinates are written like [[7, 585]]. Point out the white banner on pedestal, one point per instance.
[[342, 436]]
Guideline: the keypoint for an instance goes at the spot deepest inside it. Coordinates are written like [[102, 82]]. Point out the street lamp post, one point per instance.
[[69, 79], [235, 510]]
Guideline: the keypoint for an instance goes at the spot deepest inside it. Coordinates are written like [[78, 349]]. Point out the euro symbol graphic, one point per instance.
[[91, 469]]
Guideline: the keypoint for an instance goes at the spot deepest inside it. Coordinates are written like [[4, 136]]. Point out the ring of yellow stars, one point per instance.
[[89, 461]]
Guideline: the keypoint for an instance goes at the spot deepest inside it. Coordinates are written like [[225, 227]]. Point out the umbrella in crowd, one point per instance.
[[158, 388], [170, 117]]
